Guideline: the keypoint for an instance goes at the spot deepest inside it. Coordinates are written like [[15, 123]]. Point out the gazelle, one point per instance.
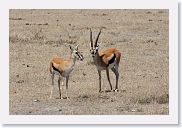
[[105, 60], [63, 68]]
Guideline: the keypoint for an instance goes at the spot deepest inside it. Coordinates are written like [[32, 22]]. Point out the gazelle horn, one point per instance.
[[91, 41], [97, 38]]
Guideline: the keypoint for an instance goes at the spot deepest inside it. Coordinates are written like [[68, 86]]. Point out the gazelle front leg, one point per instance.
[[67, 78], [99, 72], [52, 84], [60, 90], [107, 72]]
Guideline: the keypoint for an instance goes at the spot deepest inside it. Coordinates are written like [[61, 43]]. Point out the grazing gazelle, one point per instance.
[[63, 68], [108, 59]]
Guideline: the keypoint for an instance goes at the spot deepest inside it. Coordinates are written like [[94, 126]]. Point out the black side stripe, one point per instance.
[[111, 60], [55, 68]]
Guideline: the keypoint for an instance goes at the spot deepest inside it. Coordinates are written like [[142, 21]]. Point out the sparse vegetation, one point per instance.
[[145, 100], [19, 18], [36, 36], [163, 99]]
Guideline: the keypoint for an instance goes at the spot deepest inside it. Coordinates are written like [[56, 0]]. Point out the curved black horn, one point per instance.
[[97, 38], [91, 41]]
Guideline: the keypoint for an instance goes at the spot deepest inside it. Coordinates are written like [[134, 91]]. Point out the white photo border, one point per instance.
[[172, 118]]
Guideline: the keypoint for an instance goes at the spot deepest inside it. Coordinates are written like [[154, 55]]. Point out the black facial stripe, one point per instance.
[[80, 56]]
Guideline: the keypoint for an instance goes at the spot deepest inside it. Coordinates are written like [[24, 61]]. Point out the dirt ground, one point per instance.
[[140, 35]]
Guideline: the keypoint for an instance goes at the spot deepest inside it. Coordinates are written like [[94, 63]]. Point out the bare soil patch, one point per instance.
[[35, 36]]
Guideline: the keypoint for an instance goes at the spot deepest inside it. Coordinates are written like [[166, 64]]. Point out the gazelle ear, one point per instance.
[[76, 47]]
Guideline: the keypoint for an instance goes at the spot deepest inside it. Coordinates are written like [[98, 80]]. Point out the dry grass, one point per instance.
[[38, 35]]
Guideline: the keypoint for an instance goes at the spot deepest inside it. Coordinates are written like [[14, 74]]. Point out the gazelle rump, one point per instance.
[[63, 68], [105, 60]]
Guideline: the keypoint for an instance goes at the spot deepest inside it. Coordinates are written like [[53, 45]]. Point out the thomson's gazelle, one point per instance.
[[63, 68], [108, 59]]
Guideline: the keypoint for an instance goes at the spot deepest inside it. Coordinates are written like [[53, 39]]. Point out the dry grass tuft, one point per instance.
[[163, 99], [145, 100]]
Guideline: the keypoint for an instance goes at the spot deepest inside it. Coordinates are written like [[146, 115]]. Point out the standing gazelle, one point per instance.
[[63, 68], [108, 59]]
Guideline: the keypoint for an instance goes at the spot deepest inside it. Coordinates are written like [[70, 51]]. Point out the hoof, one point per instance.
[[116, 90]]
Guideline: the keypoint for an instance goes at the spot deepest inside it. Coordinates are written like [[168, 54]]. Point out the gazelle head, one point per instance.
[[94, 48], [76, 53]]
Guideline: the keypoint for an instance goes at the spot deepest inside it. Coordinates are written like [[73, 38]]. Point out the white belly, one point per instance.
[[55, 72], [111, 65], [67, 72], [64, 74]]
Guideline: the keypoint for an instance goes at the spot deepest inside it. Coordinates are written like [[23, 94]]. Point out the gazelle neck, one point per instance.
[[72, 60], [96, 57]]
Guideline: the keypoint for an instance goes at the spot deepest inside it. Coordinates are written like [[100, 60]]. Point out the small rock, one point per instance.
[[36, 100], [60, 110], [28, 66], [20, 81], [149, 12], [85, 96], [17, 75], [84, 74], [133, 110]]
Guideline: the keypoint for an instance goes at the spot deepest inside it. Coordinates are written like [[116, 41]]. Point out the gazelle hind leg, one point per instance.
[[52, 87], [108, 78], [115, 70]]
